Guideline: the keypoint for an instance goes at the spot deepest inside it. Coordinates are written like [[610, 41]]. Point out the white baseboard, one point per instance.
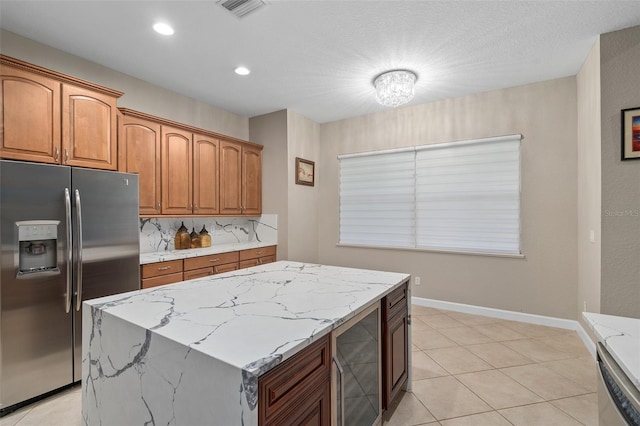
[[510, 315]]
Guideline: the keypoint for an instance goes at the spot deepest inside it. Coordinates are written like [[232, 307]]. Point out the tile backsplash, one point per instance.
[[157, 234]]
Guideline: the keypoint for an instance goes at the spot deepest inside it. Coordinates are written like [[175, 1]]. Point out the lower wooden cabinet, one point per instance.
[[395, 352], [161, 273], [202, 266], [259, 256], [315, 410], [298, 391]]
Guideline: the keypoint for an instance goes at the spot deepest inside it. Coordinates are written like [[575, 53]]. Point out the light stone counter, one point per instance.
[[190, 353], [621, 337], [163, 256]]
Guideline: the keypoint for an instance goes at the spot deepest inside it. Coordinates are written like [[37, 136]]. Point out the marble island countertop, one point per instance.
[[163, 256], [621, 337], [147, 352]]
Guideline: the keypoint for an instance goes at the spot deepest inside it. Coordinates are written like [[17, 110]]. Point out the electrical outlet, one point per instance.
[[416, 280], [585, 306]]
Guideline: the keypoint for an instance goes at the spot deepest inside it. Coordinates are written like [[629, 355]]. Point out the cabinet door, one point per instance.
[[29, 116], [88, 128], [396, 357], [251, 181], [230, 178], [395, 339], [297, 391], [176, 157], [314, 410], [205, 175], [139, 152]]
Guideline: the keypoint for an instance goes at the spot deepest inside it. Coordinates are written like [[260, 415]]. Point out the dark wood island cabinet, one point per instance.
[[395, 338]]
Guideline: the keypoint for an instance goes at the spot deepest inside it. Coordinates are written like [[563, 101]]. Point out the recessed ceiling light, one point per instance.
[[242, 71], [163, 28]]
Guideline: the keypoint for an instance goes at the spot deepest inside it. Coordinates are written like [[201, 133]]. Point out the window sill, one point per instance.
[[470, 253]]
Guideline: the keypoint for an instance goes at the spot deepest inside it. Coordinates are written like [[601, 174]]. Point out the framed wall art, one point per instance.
[[305, 172], [631, 134]]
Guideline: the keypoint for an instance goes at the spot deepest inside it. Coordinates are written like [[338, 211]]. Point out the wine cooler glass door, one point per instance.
[[357, 370]]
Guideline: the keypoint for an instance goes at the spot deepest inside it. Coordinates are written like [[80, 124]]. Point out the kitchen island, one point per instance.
[[191, 353]]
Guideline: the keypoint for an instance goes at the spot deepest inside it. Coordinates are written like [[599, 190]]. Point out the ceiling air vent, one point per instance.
[[241, 8]]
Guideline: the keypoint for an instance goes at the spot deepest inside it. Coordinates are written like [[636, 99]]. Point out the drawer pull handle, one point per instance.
[[214, 260], [258, 252], [164, 268]]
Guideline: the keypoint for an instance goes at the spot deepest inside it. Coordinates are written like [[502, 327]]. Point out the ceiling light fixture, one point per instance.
[[395, 88], [163, 28], [242, 71]]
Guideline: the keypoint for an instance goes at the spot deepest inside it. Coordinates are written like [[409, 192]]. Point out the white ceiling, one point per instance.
[[319, 58]]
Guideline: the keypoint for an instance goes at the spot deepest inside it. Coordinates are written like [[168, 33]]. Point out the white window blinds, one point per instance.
[[460, 196], [377, 199], [468, 196]]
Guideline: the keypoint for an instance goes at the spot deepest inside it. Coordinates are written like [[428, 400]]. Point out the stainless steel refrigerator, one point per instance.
[[67, 235]]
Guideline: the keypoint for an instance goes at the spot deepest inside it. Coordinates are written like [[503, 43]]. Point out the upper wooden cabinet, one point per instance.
[[240, 179], [51, 117], [177, 172], [230, 178], [29, 116], [89, 137], [251, 181], [139, 152], [206, 175], [189, 171]]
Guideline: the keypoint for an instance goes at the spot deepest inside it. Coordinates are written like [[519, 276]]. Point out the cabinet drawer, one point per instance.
[[395, 302], [290, 383], [255, 262], [198, 273], [248, 263], [161, 280], [210, 260], [218, 269], [161, 268], [257, 253]]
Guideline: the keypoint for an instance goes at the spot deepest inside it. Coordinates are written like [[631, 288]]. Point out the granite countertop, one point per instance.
[[253, 318], [163, 256], [621, 337]]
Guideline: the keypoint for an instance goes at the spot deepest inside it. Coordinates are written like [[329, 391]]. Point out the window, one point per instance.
[[459, 196]]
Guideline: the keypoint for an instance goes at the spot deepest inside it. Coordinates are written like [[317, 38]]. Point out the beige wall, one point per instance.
[[620, 89], [545, 281], [270, 130], [589, 179], [286, 135], [303, 141], [138, 95]]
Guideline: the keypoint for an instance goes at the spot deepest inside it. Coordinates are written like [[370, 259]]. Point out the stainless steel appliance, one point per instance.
[[66, 235], [618, 398], [356, 378]]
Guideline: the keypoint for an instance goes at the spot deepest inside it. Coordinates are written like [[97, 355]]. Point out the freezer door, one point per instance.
[[35, 331], [107, 241]]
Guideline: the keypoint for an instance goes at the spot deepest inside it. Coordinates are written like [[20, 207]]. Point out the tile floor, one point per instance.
[[467, 370], [470, 370]]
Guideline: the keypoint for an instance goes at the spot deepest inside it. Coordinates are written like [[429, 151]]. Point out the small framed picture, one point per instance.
[[305, 172], [631, 134]]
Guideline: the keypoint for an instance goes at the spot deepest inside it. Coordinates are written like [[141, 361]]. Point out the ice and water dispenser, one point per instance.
[[37, 246]]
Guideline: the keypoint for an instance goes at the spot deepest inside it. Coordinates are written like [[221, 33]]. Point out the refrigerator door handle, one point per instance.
[[67, 205], [79, 249]]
